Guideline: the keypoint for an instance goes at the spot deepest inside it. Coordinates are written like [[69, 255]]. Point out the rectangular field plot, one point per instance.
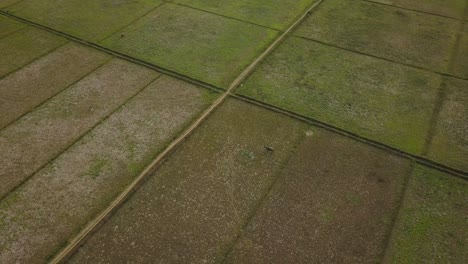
[[201, 45], [9, 26], [43, 213], [193, 207], [32, 141], [388, 32], [23, 46], [28, 87], [334, 203], [450, 143], [334, 197], [92, 20], [449, 8], [384, 101], [432, 224], [276, 14]]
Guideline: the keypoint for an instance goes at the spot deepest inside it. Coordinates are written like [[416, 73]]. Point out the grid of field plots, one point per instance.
[[234, 131]]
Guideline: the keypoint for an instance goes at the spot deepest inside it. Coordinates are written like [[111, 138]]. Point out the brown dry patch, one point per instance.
[[334, 204], [26, 88], [39, 217], [191, 209], [24, 46], [32, 141]]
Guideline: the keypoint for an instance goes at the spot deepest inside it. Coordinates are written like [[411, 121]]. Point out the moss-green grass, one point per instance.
[[450, 143], [201, 45], [450, 8], [5, 3], [21, 47], [89, 19], [9, 25], [380, 100], [433, 225], [392, 33], [460, 60], [276, 14]]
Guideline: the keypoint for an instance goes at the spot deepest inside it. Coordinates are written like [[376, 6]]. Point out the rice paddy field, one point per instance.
[[240, 131]]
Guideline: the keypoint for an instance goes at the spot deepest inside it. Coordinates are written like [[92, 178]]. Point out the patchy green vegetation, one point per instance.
[[59, 200], [201, 45], [328, 206], [278, 14], [450, 8], [450, 143], [89, 19], [392, 33], [26, 88], [23, 46], [5, 3], [9, 26], [43, 133], [380, 100], [203, 194], [460, 60], [249, 185], [432, 225]]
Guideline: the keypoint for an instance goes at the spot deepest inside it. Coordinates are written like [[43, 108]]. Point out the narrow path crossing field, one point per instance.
[[328, 193], [392, 33], [204, 194], [233, 131], [37, 218]]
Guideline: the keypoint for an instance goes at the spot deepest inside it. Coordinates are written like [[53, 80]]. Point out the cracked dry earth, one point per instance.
[[127, 137]]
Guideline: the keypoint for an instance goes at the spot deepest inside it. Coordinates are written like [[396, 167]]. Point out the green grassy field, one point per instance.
[[346, 142]]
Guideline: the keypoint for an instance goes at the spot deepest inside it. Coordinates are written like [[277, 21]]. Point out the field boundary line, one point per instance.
[[435, 165], [14, 31], [442, 90], [34, 59], [381, 58], [92, 226], [221, 15], [57, 93], [117, 54], [414, 10], [397, 216], [66, 147], [315, 122]]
